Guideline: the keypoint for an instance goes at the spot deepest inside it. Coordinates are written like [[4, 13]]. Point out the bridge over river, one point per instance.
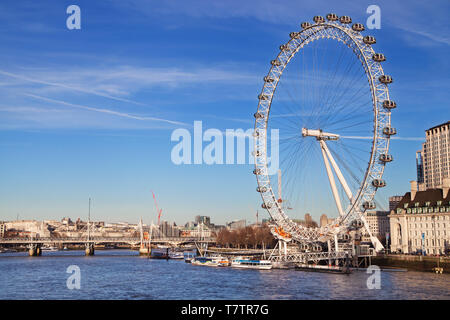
[[103, 240]]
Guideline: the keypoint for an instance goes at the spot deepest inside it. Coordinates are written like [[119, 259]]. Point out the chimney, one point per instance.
[[413, 189], [421, 186], [445, 187]]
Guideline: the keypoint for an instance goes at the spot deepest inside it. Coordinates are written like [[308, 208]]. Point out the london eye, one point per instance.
[[327, 96]]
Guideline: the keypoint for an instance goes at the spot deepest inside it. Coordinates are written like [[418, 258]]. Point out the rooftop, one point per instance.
[[422, 197], [440, 125]]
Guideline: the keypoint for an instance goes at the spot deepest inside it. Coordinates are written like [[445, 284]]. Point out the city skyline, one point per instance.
[[89, 113]]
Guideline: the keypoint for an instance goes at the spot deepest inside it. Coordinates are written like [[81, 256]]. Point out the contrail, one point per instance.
[[393, 138], [116, 113], [9, 74]]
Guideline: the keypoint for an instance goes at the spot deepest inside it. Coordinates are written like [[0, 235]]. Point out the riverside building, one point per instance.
[[433, 160], [378, 222], [421, 221], [2, 229]]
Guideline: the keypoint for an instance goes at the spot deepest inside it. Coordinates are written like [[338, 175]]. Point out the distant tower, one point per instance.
[[323, 220], [308, 219], [436, 156], [393, 202], [419, 166]]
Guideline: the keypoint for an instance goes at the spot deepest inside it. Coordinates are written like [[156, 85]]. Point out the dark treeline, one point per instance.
[[247, 237]]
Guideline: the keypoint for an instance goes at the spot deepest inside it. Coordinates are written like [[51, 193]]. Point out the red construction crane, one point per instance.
[[159, 211]]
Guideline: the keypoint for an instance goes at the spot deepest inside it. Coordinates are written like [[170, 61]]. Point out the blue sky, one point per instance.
[[89, 113]]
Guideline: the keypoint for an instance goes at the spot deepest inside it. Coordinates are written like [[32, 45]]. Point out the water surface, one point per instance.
[[122, 274]]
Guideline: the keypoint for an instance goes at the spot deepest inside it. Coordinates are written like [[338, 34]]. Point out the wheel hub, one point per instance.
[[319, 134]]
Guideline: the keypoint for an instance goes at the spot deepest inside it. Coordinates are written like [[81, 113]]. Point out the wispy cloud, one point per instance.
[[27, 110], [62, 85], [393, 138], [441, 38], [120, 81], [107, 111]]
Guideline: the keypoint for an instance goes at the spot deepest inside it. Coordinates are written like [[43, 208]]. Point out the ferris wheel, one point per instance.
[[328, 100]]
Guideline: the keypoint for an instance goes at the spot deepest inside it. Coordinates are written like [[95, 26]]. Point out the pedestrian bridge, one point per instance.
[[98, 240]]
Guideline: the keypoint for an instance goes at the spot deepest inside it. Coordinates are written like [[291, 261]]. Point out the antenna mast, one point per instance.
[[89, 222]]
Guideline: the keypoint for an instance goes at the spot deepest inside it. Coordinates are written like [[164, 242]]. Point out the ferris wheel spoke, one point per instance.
[[328, 92], [352, 125], [348, 167], [343, 86], [351, 106], [335, 101], [337, 88], [346, 121]]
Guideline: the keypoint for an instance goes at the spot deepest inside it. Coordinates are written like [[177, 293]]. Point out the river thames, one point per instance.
[[122, 274]]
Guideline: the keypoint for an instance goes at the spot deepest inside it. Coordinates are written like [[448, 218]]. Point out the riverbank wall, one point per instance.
[[415, 263]]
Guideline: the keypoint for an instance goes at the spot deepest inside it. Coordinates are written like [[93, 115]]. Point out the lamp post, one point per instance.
[[435, 240], [433, 218]]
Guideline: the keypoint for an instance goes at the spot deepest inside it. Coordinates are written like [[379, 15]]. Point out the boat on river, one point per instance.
[[246, 263], [159, 253], [323, 268], [49, 248], [7, 250], [189, 256], [211, 261], [176, 255]]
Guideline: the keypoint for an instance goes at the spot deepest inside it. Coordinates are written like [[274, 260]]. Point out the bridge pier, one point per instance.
[[145, 251], [89, 251], [34, 250]]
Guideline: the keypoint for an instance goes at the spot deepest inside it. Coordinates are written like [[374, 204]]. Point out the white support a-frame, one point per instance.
[[328, 158]]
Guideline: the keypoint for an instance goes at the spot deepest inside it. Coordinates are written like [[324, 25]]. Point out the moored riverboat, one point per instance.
[[246, 263], [189, 256], [210, 261], [323, 268]]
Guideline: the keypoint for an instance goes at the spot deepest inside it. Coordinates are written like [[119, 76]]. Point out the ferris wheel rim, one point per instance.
[[372, 69]]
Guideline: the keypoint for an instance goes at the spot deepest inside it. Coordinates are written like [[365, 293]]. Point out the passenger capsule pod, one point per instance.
[[358, 27], [345, 19], [379, 183], [285, 47], [385, 79], [332, 17], [305, 25], [258, 115], [369, 205], [293, 35], [369, 40], [319, 19], [389, 131], [266, 205], [256, 153], [275, 63], [263, 97], [261, 189], [268, 79], [386, 158], [389, 104], [359, 224], [346, 237], [257, 171], [378, 57]]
